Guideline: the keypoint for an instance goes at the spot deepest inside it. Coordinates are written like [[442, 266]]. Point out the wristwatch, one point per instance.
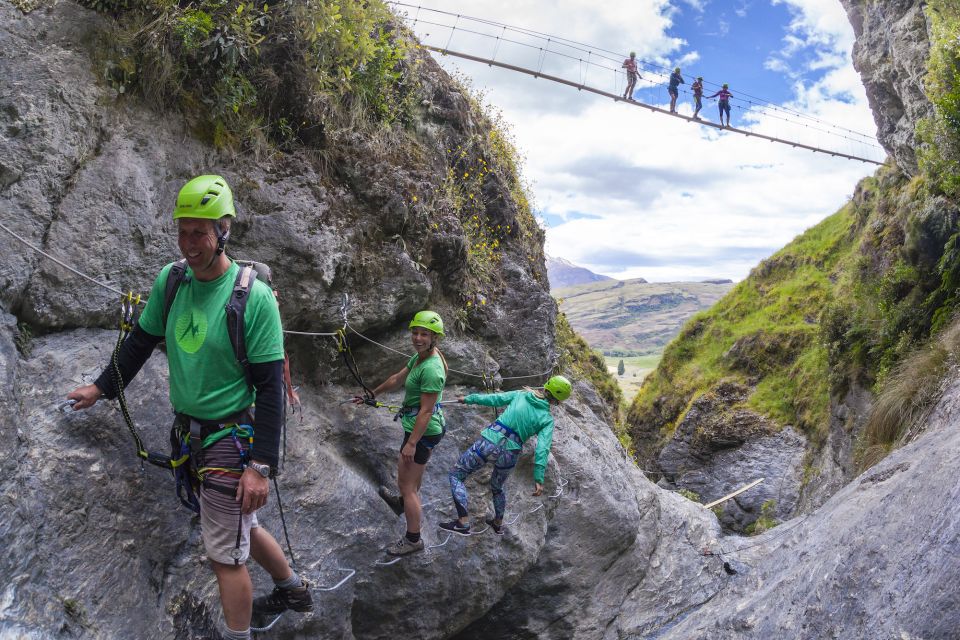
[[262, 469]]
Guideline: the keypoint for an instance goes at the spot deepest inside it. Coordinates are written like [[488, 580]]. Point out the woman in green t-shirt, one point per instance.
[[423, 379]]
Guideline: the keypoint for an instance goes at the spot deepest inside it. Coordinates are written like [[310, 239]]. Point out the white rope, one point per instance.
[[309, 333], [343, 310], [481, 376], [60, 262]]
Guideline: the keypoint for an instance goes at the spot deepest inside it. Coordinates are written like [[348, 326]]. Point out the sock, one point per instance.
[[230, 634], [413, 537], [292, 582]]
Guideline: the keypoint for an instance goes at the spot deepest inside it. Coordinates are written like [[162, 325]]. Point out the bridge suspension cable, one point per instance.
[[598, 70]]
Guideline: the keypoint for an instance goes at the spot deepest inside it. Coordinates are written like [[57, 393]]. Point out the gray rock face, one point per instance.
[[719, 447], [879, 560], [891, 54], [832, 465], [105, 551]]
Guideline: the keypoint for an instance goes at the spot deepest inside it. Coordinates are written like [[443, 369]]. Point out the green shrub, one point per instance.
[[765, 521], [940, 157], [24, 339], [906, 397], [246, 72]]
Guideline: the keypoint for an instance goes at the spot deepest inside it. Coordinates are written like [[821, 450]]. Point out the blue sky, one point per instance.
[[629, 193], [733, 39]]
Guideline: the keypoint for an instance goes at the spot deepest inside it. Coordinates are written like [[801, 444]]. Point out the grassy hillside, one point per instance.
[[634, 317], [763, 333], [865, 299]]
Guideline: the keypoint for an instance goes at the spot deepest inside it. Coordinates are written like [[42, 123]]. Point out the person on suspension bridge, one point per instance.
[[697, 88], [527, 415], [723, 104], [232, 452], [423, 379], [630, 64], [674, 89]]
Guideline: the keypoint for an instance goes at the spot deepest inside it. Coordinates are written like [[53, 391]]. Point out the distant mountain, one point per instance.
[[635, 317], [563, 273]]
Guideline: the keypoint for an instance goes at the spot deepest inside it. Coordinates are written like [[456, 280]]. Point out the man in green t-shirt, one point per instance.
[[209, 389]]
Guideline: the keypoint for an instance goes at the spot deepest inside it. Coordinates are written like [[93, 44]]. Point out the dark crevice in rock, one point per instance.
[[56, 199]]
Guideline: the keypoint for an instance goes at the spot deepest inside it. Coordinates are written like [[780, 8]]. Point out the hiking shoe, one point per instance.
[[393, 500], [497, 529], [279, 600], [404, 547], [455, 527]]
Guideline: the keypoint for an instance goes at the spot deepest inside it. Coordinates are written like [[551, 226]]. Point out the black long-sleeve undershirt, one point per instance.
[[267, 380], [134, 352]]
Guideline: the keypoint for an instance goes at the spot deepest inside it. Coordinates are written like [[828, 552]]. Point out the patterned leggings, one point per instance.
[[473, 459]]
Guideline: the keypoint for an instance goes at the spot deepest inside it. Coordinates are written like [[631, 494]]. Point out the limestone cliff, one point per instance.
[[891, 54]]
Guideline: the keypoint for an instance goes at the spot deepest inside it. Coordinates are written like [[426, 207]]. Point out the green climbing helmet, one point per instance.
[[633, 54], [429, 320], [206, 197], [558, 387]]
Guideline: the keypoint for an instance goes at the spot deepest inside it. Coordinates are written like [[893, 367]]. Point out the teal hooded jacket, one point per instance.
[[526, 415]]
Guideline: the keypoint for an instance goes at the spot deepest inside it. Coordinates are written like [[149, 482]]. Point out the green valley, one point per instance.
[[633, 320]]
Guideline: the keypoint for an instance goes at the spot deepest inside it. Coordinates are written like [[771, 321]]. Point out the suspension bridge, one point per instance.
[[598, 71]]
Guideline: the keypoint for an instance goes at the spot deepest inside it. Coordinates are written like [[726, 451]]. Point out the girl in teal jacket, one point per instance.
[[527, 414]]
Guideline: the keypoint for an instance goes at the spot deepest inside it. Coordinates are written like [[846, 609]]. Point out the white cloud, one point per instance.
[[688, 58]]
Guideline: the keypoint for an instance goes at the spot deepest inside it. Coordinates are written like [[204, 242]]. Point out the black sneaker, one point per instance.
[[393, 500], [455, 527], [279, 600], [497, 529]]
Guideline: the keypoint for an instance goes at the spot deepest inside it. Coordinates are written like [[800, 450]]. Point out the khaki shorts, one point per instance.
[[224, 529]]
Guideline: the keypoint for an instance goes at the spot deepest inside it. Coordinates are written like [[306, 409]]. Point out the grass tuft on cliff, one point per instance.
[[255, 76]]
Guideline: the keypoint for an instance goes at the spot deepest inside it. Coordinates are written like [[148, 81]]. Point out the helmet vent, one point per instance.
[[205, 200]]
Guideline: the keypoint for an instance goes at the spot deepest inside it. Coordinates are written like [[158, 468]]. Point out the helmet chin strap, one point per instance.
[[222, 237]]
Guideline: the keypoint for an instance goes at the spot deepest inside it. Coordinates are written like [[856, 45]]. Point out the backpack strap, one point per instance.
[[235, 320], [175, 278]]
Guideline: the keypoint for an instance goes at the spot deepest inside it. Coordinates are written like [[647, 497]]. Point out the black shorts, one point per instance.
[[425, 446], [673, 91]]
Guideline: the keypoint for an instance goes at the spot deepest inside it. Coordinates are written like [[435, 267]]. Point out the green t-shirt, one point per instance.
[[428, 376], [206, 381]]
